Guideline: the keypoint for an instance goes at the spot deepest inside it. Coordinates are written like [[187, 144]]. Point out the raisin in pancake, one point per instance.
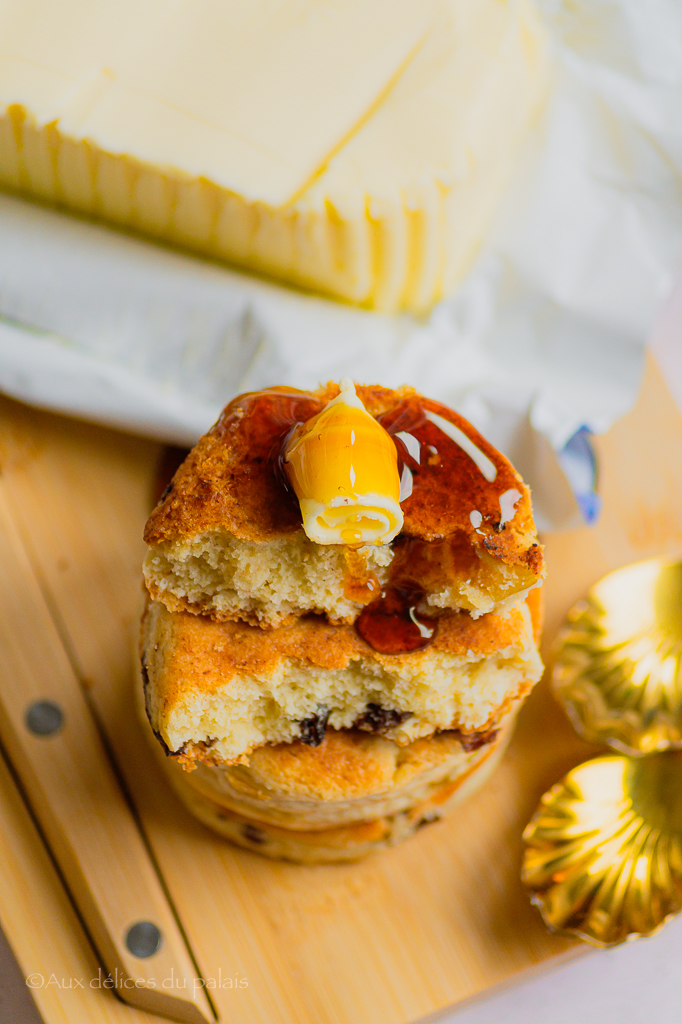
[[215, 691], [350, 777], [226, 540], [272, 833]]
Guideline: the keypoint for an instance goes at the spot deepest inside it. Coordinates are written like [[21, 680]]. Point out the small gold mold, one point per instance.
[[603, 857], [617, 664]]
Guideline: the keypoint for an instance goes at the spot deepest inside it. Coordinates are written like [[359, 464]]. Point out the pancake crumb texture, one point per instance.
[[320, 835], [267, 583], [226, 539], [215, 691], [350, 777], [270, 583]]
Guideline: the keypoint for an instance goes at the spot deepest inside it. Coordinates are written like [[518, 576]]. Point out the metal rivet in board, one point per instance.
[[143, 939], [44, 718]]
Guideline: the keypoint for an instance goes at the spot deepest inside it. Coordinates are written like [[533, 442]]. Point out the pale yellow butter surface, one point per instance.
[[353, 147]]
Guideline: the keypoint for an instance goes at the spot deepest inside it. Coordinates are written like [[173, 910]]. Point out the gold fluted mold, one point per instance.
[[618, 659], [603, 857]]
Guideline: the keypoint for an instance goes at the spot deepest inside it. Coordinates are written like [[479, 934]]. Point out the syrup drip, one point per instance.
[[393, 625], [434, 459], [265, 420], [429, 459], [418, 566], [361, 584]]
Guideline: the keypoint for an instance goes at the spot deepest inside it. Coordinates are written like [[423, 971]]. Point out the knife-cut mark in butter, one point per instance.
[[279, 87], [343, 467], [487, 468], [351, 147]]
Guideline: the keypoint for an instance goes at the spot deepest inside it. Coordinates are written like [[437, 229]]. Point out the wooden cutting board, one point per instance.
[[409, 933]]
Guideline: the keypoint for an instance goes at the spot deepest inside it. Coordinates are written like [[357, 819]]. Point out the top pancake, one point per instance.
[[232, 479]]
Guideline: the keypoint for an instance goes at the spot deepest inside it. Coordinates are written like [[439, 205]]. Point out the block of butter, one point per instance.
[[356, 148]]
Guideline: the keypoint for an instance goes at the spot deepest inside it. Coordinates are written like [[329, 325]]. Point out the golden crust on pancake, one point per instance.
[[272, 583], [216, 691], [215, 652], [348, 764], [229, 493], [219, 486], [350, 841], [350, 777]]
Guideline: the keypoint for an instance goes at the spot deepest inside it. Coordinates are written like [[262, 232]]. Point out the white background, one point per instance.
[[637, 983]]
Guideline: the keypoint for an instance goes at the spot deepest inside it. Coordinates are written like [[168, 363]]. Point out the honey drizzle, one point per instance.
[[394, 624], [360, 584], [266, 419], [435, 502]]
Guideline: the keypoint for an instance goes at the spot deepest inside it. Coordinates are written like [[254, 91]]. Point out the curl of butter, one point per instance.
[[343, 467]]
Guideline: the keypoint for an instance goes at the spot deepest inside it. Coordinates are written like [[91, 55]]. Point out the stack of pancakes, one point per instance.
[[303, 715]]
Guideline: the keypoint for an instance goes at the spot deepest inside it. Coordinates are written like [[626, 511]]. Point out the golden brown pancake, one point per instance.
[[353, 795], [362, 828], [226, 540], [216, 691], [350, 777]]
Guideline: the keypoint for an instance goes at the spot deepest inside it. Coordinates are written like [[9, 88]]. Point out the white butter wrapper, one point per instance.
[[545, 337]]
